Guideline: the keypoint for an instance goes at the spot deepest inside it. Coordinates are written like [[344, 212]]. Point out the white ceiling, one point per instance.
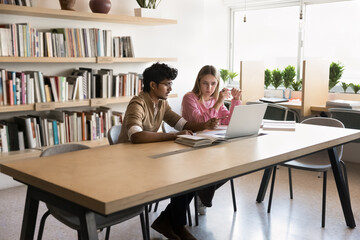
[[261, 4]]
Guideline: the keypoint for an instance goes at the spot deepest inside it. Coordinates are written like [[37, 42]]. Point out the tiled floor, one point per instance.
[[298, 219]]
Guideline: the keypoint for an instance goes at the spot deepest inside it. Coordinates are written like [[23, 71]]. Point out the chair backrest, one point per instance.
[[273, 111], [113, 134], [349, 117], [64, 148], [293, 115], [330, 122]]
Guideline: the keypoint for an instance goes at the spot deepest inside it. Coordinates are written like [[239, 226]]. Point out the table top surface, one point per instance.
[[113, 178]]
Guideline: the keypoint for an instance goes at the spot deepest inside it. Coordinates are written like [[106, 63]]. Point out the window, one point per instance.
[[272, 35]]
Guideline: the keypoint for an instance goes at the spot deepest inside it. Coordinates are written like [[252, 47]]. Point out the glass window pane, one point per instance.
[[332, 32], [269, 35]]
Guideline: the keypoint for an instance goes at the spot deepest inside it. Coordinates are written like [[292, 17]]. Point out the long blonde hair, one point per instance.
[[208, 69]]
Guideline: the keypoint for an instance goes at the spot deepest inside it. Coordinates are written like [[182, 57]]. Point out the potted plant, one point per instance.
[[336, 71], [277, 78], [289, 76], [355, 87], [232, 75], [268, 78], [344, 86], [147, 8], [296, 87], [224, 75]]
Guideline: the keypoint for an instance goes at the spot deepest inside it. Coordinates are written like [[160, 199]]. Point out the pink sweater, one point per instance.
[[195, 111]]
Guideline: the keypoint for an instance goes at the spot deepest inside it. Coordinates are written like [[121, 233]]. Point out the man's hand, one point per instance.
[[211, 123]]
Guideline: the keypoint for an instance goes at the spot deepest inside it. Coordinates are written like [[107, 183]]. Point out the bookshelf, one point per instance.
[[69, 104], [78, 16], [106, 60], [81, 16]]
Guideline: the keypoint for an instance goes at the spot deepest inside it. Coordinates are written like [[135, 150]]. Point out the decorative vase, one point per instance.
[[67, 4], [100, 6], [147, 12]]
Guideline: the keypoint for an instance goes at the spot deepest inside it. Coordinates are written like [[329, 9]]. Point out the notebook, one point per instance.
[[245, 121]]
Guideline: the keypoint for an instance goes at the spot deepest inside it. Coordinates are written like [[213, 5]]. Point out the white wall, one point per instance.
[[199, 38]]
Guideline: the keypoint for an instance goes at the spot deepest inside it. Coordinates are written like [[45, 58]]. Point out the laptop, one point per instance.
[[273, 100], [245, 121]]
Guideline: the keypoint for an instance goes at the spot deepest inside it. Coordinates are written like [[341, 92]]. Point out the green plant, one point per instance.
[[277, 78], [336, 71], [289, 74], [224, 74], [344, 86], [296, 85], [355, 87], [232, 75], [148, 3], [268, 78]]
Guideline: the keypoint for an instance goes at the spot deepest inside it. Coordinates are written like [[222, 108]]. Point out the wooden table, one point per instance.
[[113, 178]]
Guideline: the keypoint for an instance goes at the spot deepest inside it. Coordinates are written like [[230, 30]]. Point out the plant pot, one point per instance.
[[100, 6], [296, 94], [147, 12], [287, 93], [67, 4]]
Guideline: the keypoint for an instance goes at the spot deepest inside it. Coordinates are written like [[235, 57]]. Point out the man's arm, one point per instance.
[[210, 124], [147, 137]]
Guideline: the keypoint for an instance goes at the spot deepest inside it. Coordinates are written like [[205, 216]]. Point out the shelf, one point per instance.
[[73, 103], [82, 16], [82, 60]]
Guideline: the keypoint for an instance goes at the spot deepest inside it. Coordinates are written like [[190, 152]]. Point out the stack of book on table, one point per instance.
[[273, 125], [197, 140]]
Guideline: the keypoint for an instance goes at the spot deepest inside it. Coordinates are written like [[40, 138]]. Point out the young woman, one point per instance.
[[205, 102]]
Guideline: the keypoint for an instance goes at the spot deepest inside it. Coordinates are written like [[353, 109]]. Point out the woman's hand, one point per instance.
[[236, 93], [223, 94]]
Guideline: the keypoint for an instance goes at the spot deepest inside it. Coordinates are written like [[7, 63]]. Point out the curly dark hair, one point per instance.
[[157, 73]]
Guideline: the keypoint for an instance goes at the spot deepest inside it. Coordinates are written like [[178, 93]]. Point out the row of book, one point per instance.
[[22, 40], [29, 87], [56, 127], [27, 3]]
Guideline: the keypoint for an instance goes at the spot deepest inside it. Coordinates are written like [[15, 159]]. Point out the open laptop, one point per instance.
[[245, 121]]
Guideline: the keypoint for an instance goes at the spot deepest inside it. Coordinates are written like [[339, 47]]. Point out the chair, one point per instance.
[[349, 117], [276, 112], [113, 134], [317, 162], [166, 128], [73, 221]]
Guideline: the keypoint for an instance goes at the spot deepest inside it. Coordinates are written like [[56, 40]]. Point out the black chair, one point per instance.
[[72, 220], [317, 162], [349, 117], [166, 128]]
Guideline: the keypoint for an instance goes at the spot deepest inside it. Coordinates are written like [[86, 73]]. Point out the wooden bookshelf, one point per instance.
[[82, 16], [79, 16], [82, 60], [73, 103]]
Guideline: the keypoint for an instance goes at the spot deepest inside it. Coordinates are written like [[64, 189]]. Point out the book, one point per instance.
[[197, 140], [25, 125], [274, 125]]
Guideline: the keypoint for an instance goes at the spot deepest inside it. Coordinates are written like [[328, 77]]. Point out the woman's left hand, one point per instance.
[[236, 93]]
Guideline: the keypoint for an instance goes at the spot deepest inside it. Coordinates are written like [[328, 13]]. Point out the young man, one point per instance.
[[143, 118]]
